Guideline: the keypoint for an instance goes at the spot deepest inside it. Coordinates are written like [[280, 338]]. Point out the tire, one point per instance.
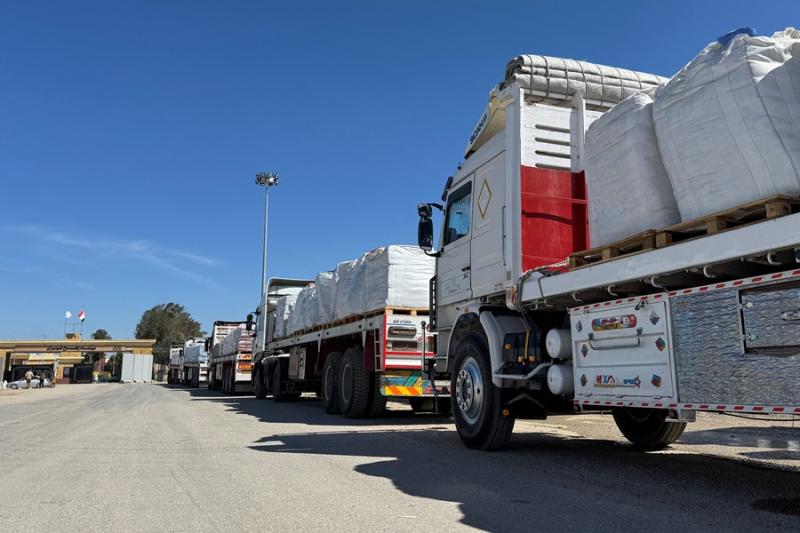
[[354, 384], [225, 380], [377, 402], [259, 386], [647, 429], [480, 419], [330, 382], [196, 380]]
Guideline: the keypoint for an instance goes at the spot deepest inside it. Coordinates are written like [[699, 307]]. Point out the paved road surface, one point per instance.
[[154, 458]]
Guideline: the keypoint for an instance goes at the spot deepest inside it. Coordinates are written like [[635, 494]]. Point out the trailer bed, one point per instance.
[[680, 265]]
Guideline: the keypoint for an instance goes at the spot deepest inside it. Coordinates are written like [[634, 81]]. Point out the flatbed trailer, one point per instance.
[[531, 324], [175, 369], [354, 364]]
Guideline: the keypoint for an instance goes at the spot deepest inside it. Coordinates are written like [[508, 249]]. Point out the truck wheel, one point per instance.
[[330, 390], [259, 387], [377, 402], [196, 381], [354, 385], [480, 419], [226, 384], [647, 429]]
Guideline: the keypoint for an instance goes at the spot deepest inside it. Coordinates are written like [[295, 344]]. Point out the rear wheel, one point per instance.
[[421, 405], [480, 419], [259, 387], [648, 429], [330, 381], [354, 386], [279, 376]]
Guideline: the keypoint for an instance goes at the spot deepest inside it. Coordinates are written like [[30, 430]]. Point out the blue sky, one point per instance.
[[130, 133]]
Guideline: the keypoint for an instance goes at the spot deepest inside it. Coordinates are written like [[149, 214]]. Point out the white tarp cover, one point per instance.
[[305, 308], [728, 124], [553, 80], [283, 310], [349, 298], [238, 340], [629, 190], [325, 283], [194, 352], [390, 276]]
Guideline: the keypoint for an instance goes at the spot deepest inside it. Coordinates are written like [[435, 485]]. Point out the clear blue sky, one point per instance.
[[130, 133]]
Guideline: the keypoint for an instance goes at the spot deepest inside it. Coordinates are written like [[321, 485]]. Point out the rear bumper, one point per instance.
[[411, 383]]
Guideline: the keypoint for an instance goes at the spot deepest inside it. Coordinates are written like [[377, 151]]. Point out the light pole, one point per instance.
[[267, 180]]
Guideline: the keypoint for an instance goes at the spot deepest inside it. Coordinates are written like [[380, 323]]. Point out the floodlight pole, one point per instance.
[[266, 180]]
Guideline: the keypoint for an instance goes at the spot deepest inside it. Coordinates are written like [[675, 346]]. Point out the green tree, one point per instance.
[[93, 357], [168, 324], [100, 334]]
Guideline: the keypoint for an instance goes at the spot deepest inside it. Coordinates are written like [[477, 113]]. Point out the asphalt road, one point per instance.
[[155, 458]]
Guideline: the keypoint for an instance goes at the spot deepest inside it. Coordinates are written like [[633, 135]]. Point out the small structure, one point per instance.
[[62, 359]]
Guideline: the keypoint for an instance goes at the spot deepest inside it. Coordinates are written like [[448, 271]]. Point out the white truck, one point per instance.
[[352, 364], [228, 370], [175, 370], [195, 363], [703, 317]]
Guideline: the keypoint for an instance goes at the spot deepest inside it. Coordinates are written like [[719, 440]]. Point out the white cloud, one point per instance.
[[173, 261]]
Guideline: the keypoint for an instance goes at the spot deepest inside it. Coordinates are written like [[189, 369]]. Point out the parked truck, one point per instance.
[[703, 316], [175, 370], [229, 370], [353, 364], [195, 363]]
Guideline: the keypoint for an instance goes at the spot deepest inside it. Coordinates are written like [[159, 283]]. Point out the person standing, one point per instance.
[[28, 377]]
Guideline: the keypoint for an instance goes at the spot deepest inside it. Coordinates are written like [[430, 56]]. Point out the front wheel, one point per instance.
[[480, 418], [648, 429]]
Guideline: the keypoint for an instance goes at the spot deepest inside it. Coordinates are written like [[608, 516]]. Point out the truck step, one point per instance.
[[742, 215]]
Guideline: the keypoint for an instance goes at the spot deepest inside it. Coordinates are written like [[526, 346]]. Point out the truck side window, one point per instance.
[[459, 207]]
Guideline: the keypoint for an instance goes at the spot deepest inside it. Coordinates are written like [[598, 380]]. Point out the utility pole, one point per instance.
[[266, 180]]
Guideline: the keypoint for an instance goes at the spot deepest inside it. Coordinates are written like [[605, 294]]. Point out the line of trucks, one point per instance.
[[521, 319]]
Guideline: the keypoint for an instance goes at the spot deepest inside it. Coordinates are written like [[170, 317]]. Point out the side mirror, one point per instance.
[[250, 322], [425, 233]]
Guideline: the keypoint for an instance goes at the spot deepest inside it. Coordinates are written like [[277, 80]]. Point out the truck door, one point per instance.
[[454, 275]]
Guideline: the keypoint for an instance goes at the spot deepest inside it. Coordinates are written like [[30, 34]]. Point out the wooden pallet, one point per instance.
[[636, 243], [758, 211], [750, 213]]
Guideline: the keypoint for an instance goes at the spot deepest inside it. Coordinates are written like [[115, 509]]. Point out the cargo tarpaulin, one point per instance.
[[553, 80]]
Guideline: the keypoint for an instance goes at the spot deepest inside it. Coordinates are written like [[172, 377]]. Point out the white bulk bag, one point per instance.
[[728, 124], [349, 288], [326, 292], [397, 276], [283, 310], [629, 190]]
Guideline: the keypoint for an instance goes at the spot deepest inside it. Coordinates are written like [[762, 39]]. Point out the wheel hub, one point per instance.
[[469, 390]]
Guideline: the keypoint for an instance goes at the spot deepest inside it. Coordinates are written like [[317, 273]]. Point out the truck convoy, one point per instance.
[[525, 320], [230, 361]]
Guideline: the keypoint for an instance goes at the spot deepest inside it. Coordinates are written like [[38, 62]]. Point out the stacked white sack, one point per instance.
[[326, 292], [283, 310], [728, 124], [349, 298], [553, 80], [195, 353], [305, 309], [397, 276], [629, 190], [238, 340]]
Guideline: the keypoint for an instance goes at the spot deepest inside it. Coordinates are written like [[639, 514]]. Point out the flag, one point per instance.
[[82, 315], [67, 315]]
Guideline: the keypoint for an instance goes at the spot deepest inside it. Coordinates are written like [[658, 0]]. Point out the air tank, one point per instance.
[[558, 343]]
